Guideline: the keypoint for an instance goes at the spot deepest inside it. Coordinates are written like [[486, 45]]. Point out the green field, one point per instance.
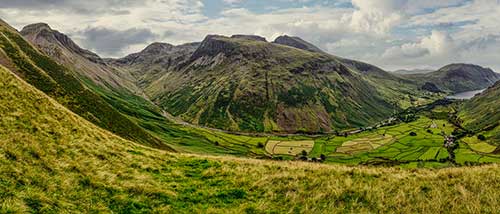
[[395, 145]]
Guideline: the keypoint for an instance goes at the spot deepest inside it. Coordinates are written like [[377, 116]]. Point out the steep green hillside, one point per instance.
[[53, 161], [398, 91], [481, 114], [458, 78], [60, 83], [242, 84]]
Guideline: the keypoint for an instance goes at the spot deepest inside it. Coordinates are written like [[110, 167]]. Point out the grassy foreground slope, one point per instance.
[[52, 160]]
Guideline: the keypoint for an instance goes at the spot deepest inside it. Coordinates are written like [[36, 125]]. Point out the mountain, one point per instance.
[[241, 84], [413, 71], [61, 83], [481, 114], [457, 78], [213, 83], [297, 42], [134, 105], [398, 89], [131, 102], [152, 62]]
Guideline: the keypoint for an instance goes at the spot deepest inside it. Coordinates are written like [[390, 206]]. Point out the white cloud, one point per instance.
[[438, 44], [378, 16]]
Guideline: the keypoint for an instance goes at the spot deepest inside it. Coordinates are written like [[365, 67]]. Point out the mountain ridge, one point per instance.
[[458, 77], [252, 61]]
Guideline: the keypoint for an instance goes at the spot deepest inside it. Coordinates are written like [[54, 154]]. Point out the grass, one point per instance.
[[54, 161]]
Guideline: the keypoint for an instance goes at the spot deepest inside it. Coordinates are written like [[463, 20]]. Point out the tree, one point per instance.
[[322, 157], [481, 137], [413, 134], [303, 153], [260, 145]]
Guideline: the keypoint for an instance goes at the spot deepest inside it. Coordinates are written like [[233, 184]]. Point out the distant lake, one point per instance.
[[465, 95]]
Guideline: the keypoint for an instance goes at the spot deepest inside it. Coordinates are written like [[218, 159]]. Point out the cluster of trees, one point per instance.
[[303, 156]]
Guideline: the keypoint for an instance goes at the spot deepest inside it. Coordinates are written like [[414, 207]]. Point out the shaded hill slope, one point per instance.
[[52, 160], [481, 114], [458, 78], [244, 84], [60, 83]]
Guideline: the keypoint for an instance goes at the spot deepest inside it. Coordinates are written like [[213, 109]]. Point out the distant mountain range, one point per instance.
[[413, 71]]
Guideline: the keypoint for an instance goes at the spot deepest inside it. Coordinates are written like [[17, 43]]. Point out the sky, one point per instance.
[[392, 34]]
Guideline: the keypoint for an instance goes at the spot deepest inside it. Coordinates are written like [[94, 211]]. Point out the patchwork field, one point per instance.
[[289, 147], [478, 145], [418, 143]]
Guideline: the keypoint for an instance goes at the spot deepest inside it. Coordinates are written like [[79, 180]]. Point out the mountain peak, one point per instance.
[[157, 48], [36, 26], [213, 45], [297, 42], [469, 69], [48, 39], [455, 66]]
